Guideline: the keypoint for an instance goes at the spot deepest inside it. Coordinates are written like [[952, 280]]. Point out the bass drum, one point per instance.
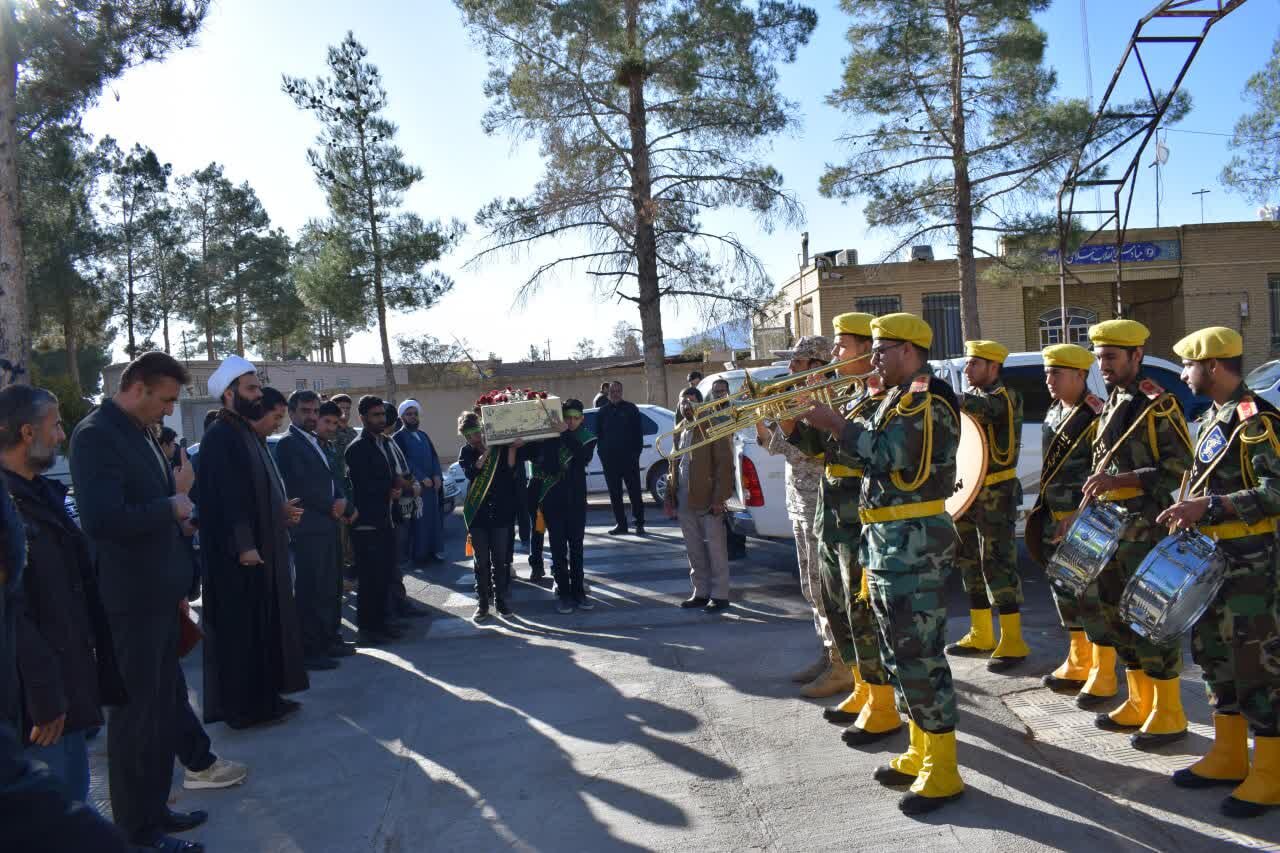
[[971, 465]]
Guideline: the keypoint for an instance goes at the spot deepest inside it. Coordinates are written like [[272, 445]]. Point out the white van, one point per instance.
[[759, 508]]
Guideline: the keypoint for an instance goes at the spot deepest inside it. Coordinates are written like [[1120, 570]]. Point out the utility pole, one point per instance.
[[1201, 193], [548, 349]]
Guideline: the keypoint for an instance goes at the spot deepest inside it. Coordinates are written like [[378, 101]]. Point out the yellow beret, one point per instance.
[[852, 323], [990, 350], [1119, 333], [902, 327], [1067, 355], [1213, 342]]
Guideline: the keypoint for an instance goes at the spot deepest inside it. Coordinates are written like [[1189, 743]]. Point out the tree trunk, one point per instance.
[[72, 345], [966, 269], [132, 349], [342, 350], [646, 242], [235, 282], [15, 333], [164, 322], [379, 295]]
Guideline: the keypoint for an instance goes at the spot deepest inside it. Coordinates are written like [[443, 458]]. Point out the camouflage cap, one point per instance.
[[812, 347]]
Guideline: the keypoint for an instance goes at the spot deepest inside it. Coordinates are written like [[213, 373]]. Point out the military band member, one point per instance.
[[1066, 446], [1234, 497], [1140, 453], [868, 710], [907, 452], [803, 480], [988, 552]]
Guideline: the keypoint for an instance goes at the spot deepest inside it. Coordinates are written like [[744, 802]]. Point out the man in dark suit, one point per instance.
[[620, 439], [304, 466], [374, 487], [133, 507]]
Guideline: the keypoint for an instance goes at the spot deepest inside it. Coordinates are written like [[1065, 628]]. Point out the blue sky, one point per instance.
[[221, 100]]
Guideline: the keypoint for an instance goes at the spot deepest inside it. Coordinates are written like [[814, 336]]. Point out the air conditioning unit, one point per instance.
[[921, 253], [847, 258]]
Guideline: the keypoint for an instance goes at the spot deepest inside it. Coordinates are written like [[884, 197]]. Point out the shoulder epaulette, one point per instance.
[[920, 384], [1151, 388], [1246, 408], [1094, 402]]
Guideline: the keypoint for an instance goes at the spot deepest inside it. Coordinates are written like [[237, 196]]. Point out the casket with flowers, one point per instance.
[[507, 414]]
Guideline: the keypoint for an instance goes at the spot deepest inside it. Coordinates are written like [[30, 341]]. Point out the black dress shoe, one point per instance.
[[373, 638], [503, 608], [1054, 683], [169, 844], [854, 736], [1138, 740], [696, 601], [1184, 778], [1085, 701], [639, 528], [342, 650], [835, 715], [618, 530], [1104, 722], [182, 821], [1232, 807], [716, 605]]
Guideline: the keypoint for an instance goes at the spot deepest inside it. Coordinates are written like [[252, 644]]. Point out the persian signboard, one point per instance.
[[1131, 253]]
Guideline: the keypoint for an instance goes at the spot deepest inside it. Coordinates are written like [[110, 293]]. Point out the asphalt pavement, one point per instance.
[[642, 726]]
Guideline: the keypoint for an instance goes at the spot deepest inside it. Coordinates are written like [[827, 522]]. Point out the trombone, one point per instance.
[[783, 405]]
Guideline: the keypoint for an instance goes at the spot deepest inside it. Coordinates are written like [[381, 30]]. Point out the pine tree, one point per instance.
[[1255, 170]]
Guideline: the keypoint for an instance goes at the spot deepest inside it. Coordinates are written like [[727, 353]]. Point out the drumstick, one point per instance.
[[1182, 495]]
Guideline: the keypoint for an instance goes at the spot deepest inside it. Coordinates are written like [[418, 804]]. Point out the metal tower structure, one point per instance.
[[1178, 24]]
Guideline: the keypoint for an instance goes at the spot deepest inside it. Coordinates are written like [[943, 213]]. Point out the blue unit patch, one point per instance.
[[1213, 444]]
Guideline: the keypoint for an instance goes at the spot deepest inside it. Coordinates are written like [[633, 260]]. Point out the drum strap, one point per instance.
[[1000, 476], [1148, 413]]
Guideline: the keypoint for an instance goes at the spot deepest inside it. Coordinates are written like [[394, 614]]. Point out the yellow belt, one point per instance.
[[902, 512], [1000, 476], [1238, 529], [1121, 494], [1059, 514], [836, 471]]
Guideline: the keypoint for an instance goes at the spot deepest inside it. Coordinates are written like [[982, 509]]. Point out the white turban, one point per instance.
[[229, 371], [406, 406]]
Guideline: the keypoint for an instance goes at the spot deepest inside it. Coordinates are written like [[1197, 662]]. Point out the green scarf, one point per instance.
[[550, 479], [480, 486]]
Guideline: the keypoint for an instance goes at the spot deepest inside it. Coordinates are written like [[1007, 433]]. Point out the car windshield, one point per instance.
[[1264, 376]]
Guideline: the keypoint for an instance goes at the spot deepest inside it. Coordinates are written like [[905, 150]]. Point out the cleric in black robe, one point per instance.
[[253, 647]]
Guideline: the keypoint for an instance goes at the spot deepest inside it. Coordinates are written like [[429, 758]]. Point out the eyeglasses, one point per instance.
[[880, 351]]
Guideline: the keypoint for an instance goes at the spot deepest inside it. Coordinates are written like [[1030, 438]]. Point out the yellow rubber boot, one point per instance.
[[1226, 762], [903, 769], [878, 718], [1261, 788], [1135, 710], [1167, 721], [1074, 671], [939, 780], [1101, 684], [980, 638], [847, 711], [1012, 649], [834, 680]]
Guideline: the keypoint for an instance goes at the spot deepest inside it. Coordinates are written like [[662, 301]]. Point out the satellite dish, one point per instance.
[[1162, 153]]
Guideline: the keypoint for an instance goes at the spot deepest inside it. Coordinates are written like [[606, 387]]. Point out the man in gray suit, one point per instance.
[[307, 475], [135, 510]]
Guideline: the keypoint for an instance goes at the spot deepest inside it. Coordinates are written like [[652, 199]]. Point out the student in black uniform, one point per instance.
[[563, 473]]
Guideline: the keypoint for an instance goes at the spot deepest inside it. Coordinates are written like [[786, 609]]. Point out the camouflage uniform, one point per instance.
[[1158, 449], [804, 478], [839, 530], [1237, 640], [1066, 446], [988, 553], [907, 449]]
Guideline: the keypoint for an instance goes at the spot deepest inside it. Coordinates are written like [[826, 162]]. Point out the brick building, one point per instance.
[[1175, 280]]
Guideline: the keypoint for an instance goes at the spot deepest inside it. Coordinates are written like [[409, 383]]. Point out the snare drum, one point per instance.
[[1089, 545], [1174, 585]]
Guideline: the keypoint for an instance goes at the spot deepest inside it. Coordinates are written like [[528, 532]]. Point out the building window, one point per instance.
[[804, 318], [942, 313], [878, 305], [1078, 322], [317, 385], [1273, 293], [344, 382], [299, 384]]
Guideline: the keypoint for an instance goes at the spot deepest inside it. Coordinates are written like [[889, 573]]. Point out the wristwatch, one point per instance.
[[1216, 511]]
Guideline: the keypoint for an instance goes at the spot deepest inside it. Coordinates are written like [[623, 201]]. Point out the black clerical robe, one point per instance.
[[253, 647]]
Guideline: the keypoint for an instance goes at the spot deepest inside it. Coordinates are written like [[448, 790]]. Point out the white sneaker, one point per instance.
[[220, 774]]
